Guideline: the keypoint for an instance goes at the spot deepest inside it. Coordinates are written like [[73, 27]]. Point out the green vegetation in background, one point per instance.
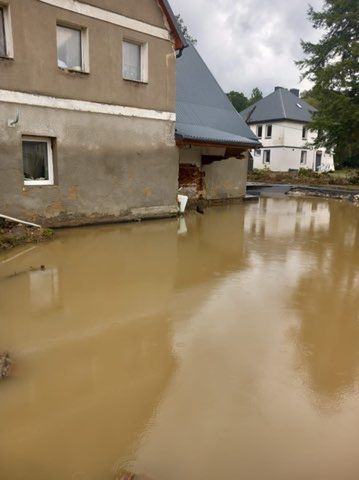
[[333, 65], [347, 178], [185, 30], [240, 101]]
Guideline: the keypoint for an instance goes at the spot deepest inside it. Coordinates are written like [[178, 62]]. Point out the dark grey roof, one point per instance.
[[204, 112], [279, 105]]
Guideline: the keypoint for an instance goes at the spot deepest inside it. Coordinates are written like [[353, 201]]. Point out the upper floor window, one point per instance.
[[269, 129], [259, 131], [2, 33], [135, 61], [6, 49], [304, 133], [37, 161], [72, 48]]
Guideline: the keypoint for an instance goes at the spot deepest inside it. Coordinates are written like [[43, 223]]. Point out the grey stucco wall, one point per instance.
[[107, 168], [226, 178]]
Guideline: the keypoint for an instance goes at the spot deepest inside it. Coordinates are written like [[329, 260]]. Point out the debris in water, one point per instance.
[[5, 365]]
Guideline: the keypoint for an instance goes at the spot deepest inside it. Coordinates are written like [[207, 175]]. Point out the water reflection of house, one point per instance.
[[288, 218]]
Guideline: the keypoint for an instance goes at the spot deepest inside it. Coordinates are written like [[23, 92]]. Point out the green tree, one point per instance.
[[255, 96], [308, 96], [332, 64], [238, 100], [185, 30]]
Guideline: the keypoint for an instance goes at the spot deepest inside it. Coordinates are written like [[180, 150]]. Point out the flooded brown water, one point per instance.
[[223, 347]]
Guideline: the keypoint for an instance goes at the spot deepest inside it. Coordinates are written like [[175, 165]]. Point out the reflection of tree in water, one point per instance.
[[327, 301]]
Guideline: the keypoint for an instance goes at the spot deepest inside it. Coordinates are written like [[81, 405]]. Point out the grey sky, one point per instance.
[[249, 43]]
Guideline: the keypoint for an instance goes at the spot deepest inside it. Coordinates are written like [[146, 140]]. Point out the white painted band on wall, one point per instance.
[[109, 17], [9, 96]]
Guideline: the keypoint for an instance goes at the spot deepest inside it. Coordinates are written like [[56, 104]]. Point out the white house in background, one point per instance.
[[280, 121]]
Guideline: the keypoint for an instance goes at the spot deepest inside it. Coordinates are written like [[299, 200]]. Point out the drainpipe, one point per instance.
[[16, 220]]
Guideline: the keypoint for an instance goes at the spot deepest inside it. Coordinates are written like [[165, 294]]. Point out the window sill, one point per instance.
[[38, 184], [70, 71], [6, 58], [136, 82]]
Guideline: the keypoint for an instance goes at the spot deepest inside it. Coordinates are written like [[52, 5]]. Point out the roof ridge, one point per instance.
[[282, 101]]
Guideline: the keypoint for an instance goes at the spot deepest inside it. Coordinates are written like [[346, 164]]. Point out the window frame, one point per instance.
[[50, 160], [304, 133], [265, 161], [304, 154], [143, 60], [84, 44], [269, 126], [260, 128], [9, 46]]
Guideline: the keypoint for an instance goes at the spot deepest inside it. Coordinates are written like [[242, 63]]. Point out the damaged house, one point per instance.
[[87, 110], [213, 139], [88, 114]]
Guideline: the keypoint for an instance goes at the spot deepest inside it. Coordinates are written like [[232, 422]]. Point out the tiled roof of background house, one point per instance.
[[204, 113], [282, 104]]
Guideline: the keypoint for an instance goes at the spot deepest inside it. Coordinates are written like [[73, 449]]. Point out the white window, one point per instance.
[[37, 161], [266, 157], [269, 131], [135, 61], [72, 48], [259, 131], [6, 45], [304, 133], [257, 153], [303, 157]]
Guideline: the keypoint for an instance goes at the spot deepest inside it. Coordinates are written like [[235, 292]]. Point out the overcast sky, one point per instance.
[[250, 43]]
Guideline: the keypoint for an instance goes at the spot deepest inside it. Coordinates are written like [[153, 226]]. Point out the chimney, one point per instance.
[[278, 88], [295, 91]]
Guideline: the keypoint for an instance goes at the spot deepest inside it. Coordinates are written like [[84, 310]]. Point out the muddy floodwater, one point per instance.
[[225, 345]]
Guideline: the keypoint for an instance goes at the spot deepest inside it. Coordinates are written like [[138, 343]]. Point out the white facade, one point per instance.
[[287, 146]]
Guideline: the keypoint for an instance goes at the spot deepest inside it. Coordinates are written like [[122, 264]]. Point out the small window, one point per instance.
[[6, 44], [259, 131], [71, 48], [303, 157], [269, 131], [135, 60], [257, 153], [266, 157], [38, 161], [304, 133], [2, 33]]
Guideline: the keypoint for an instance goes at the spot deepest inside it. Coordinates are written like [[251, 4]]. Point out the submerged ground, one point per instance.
[[221, 346]]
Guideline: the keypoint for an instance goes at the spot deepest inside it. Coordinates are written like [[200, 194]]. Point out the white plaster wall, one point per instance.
[[287, 138]]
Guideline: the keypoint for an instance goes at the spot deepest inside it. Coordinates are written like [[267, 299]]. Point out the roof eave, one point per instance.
[[180, 41], [181, 141], [253, 122]]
